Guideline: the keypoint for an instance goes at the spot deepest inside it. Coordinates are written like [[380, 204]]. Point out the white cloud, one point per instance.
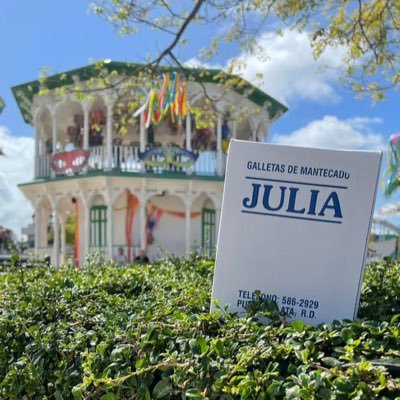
[[331, 132], [15, 167], [195, 62], [290, 70]]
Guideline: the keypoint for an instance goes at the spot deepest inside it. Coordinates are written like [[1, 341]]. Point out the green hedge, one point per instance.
[[144, 332]]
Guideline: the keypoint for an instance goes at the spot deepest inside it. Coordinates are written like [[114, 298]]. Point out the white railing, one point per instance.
[[97, 158], [125, 158]]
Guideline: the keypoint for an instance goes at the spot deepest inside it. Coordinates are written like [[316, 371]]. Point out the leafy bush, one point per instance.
[[144, 332]]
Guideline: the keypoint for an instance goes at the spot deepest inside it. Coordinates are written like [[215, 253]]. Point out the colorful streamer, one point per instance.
[[391, 178], [171, 97], [132, 205]]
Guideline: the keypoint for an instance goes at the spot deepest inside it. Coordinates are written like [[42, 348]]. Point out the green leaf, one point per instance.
[[331, 362], [302, 355], [218, 346], [109, 396], [194, 394], [394, 319], [162, 388], [58, 395], [298, 326], [346, 334]]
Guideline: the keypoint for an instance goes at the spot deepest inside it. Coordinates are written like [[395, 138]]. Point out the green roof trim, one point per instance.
[[86, 73], [119, 174]]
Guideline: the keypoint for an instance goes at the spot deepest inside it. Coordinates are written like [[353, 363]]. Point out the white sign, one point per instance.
[[294, 225]]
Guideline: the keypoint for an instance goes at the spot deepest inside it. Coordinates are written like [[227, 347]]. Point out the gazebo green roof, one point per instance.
[[29, 89]]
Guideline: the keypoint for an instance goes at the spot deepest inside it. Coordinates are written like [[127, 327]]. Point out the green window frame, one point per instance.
[[98, 226], [208, 229]]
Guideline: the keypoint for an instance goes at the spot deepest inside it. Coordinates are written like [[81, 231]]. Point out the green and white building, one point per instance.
[[85, 169]]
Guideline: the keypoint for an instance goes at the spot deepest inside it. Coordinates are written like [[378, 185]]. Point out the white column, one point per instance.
[[109, 136], [37, 136], [188, 132], [54, 132], [56, 242], [219, 144], [142, 138], [63, 240], [86, 126], [54, 137], [38, 221], [143, 221], [188, 222], [234, 129], [84, 206], [110, 229], [43, 229]]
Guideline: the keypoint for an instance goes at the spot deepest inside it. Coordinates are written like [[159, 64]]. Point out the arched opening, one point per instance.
[[165, 225], [69, 117]]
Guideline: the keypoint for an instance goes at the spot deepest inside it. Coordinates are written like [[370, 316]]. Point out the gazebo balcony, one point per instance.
[[168, 160]]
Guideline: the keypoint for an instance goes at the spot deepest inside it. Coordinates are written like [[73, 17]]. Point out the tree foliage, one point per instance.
[[368, 30]]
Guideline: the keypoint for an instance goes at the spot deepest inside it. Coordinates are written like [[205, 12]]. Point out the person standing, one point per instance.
[[121, 257]]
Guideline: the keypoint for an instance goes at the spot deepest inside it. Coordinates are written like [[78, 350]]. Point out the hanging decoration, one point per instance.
[[161, 156], [132, 206], [171, 98], [391, 178], [154, 215], [69, 162]]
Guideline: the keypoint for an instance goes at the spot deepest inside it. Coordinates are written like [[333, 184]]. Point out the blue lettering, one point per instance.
[[335, 206]]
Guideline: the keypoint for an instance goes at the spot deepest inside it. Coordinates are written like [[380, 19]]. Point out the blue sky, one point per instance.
[[62, 35]]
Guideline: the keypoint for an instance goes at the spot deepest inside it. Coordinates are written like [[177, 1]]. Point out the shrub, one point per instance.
[[145, 332]]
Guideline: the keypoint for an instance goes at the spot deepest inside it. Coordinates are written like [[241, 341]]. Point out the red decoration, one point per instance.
[[69, 161]]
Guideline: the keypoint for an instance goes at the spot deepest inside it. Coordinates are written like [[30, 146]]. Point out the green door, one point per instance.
[[98, 227], [208, 230]]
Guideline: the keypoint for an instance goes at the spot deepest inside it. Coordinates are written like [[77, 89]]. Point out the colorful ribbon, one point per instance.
[[171, 97], [391, 177]]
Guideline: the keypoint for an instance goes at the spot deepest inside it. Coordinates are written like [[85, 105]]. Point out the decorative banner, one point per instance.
[[2, 105], [171, 97], [294, 228], [69, 161], [161, 156], [391, 178], [132, 206]]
